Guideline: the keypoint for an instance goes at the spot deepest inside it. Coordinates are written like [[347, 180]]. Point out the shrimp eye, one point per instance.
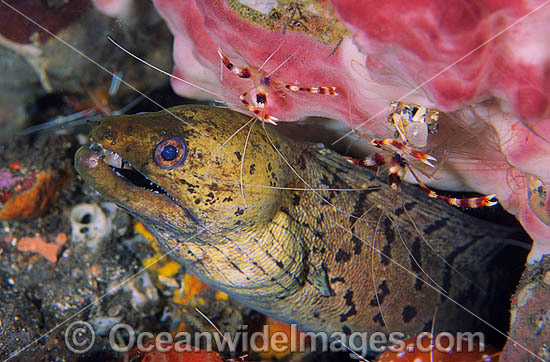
[[170, 153]]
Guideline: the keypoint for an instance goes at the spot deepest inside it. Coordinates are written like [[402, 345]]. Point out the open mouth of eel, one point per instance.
[[124, 170]]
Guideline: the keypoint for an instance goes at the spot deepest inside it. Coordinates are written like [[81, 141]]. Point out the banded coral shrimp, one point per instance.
[[263, 84], [471, 141], [324, 190], [417, 147]]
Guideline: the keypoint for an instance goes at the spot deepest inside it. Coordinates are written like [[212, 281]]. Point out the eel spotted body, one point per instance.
[[328, 260]]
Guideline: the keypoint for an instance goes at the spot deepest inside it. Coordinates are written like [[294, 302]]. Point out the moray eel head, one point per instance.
[[175, 175]]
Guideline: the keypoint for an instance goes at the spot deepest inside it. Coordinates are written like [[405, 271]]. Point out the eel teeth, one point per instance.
[[124, 170], [113, 159]]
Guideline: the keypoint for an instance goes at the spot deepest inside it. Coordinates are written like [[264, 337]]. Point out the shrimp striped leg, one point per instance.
[[243, 72], [329, 91], [259, 111], [422, 157], [375, 160], [392, 145], [468, 202], [396, 173]]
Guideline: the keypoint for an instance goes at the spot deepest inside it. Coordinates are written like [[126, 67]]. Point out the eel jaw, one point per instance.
[[130, 189], [124, 170]]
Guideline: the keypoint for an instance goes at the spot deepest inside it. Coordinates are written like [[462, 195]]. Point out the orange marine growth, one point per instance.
[[29, 196], [168, 352], [425, 349]]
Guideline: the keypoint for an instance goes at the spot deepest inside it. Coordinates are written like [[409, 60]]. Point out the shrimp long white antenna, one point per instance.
[[242, 162], [97, 64], [161, 70], [375, 288], [423, 238], [211, 323], [229, 139], [71, 120], [229, 182], [271, 55], [297, 174], [357, 355], [437, 287], [413, 257], [280, 65], [241, 358], [433, 331]]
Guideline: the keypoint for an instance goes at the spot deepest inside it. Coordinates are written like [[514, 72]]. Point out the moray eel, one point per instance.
[[327, 260]]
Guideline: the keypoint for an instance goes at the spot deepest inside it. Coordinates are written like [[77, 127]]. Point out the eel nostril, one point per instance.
[[108, 134]]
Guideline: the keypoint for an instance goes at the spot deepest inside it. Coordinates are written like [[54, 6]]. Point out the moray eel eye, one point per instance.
[[170, 153]]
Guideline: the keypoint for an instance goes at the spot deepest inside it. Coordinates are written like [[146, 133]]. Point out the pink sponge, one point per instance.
[[484, 63]]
